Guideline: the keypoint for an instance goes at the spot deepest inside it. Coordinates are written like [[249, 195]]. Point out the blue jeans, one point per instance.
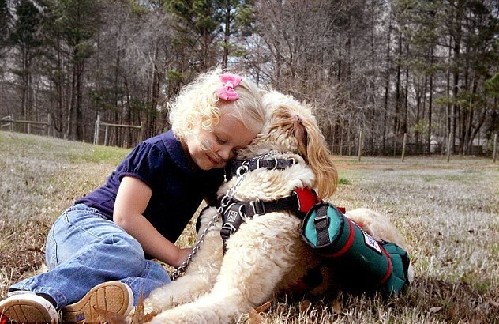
[[85, 249]]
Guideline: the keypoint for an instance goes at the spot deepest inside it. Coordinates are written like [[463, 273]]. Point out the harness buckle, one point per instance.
[[227, 230], [258, 207], [321, 222], [242, 169]]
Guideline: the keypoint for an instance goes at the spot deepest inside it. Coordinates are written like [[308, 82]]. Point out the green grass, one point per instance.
[[448, 212]]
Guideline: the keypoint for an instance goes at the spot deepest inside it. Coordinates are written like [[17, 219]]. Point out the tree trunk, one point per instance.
[[430, 111], [396, 120], [387, 84], [80, 67], [225, 57], [455, 80]]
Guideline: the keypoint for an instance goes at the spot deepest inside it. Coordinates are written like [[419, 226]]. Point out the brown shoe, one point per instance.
[[27, 307], [103, 303]]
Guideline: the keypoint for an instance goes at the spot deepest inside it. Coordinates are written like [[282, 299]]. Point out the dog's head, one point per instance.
[[291, 127]]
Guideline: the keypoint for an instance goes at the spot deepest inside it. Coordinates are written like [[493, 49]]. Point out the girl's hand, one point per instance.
[[183, 254]]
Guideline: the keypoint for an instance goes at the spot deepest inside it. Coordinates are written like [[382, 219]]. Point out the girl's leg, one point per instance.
[[83, 250], [152, 277]]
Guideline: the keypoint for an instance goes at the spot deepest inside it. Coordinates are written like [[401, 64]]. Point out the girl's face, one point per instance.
[[212, 149]]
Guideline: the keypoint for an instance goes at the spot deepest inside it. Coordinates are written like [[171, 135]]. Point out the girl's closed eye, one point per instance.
[[220, 140]]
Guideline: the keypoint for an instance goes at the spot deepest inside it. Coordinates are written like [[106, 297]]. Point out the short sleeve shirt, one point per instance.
[[177, 186]]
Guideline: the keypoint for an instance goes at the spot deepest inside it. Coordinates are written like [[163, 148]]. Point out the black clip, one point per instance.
[[321, 221], [227, 230], [258, 207]]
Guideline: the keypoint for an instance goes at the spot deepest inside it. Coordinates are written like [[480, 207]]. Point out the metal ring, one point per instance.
[[224, 202], [275, 165], [242, 170]]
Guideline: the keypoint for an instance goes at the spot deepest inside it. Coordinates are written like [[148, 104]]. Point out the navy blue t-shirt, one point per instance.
[[178, 187]]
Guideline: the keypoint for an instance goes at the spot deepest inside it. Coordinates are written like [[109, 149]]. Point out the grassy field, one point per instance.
[[449, 213]]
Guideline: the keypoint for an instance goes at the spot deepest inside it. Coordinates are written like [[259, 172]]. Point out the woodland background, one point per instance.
[[425, 68]]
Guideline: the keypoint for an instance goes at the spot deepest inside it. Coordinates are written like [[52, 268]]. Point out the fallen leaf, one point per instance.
[[148, 317], [264, 307], [435, 309], [110, 317], [336, 306], [138, 314], [493, 303], [254, 317], [304, 305]]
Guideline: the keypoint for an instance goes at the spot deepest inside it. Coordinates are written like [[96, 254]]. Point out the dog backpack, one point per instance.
[[362, 263]]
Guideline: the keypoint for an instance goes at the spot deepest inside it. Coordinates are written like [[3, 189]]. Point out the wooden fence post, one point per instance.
[[117, 127], [494, 149], [49, 124], [448, 147], [349, 143], [96, 134], [142, 131], [404, 141], [105, 135], [342, 135], [359, 153]]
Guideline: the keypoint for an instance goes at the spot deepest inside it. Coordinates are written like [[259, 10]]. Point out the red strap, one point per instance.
[[307, 198], [388, 272], [4, 319]]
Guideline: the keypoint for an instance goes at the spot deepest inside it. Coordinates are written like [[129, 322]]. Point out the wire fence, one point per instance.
[[129, 135]]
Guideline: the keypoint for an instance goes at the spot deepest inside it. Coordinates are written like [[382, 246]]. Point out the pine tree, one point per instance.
[[25, 37], [77, 22], [5, 21]]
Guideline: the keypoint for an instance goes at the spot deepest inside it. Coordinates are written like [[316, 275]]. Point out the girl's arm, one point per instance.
[[131, 202]]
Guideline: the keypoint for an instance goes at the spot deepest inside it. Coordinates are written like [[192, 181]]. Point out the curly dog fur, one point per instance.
[[267, 254]]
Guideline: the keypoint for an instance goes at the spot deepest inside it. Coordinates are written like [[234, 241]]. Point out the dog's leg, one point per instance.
[[379, 227], [376, 225], [200, 274], [259, 256]]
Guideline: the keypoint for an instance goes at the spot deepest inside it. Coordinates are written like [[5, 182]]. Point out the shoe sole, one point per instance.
[[105, 302], [27, 311]]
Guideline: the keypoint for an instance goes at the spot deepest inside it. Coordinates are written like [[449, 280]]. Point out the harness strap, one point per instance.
[[269, 164], [299, 202], [321, 225], [258, 207]]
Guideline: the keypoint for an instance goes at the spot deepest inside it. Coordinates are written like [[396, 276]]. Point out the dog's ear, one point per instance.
[[313, 148], [300, 133]]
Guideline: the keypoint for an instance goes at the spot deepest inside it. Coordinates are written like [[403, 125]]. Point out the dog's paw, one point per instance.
[[177, 316]]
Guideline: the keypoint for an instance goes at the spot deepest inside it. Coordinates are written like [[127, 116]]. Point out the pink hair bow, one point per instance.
[[226, 91]]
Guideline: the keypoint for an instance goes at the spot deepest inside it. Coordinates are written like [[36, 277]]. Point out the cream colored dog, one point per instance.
[[266, 254]]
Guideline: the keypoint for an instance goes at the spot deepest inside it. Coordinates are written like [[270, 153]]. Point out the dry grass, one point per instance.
[[449, 213]]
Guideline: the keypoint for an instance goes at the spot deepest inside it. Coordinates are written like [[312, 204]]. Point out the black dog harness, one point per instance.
[[249, 165], [237, 212]]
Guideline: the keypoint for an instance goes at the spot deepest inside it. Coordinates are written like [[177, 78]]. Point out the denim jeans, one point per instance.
[[85, 249]]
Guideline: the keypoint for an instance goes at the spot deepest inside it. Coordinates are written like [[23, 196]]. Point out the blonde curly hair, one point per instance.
[[198, 104]]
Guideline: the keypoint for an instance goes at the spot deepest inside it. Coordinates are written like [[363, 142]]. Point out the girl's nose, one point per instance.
[[225, 152]]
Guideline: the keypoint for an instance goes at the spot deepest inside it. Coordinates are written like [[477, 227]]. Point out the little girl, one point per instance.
[[99, 250]]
